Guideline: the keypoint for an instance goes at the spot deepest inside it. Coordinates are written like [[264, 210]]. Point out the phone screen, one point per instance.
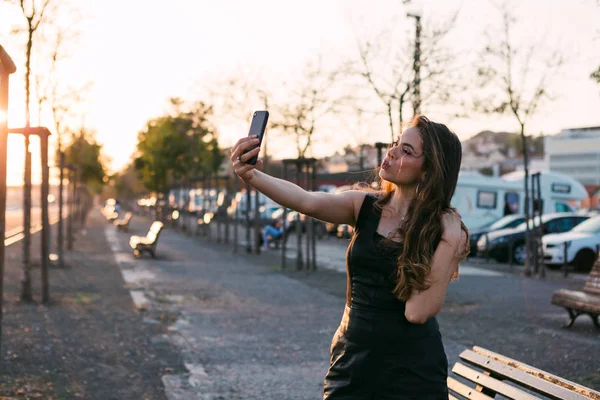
[[257, 127]]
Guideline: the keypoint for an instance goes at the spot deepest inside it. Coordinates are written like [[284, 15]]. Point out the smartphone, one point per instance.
[[257, 127]]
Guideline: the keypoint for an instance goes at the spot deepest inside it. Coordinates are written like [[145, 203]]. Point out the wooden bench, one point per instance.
[[578, 302], [203, 221], [499, 375], [141, 244], [123, 223]]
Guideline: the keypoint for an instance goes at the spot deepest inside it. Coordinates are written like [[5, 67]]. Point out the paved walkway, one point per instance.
[[88, 342], [248, 331], [200, 322]]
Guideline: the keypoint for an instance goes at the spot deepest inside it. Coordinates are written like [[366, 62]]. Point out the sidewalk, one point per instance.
[[247, 330], [89, 342], [216, 325]]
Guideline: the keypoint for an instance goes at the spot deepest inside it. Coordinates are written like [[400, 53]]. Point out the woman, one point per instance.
[[407, 244]]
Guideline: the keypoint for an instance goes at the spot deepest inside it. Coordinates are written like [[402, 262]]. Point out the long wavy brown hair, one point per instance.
[[442, 153]]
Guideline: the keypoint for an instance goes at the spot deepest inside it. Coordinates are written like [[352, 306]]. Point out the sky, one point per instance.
[[138, 53]]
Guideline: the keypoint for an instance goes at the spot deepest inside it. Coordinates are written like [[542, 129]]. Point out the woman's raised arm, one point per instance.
[[339, 208]]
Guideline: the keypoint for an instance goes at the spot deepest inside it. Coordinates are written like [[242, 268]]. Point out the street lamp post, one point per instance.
[[7, 67], [380, 146], [417, 64]]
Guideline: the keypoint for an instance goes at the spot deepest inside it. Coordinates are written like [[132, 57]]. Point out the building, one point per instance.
[[576, 152]]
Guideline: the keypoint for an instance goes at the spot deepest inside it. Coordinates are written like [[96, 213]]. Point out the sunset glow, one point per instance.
[[134, 68]]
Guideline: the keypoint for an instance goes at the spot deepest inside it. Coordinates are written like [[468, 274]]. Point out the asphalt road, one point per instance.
[[14, 218], [248, 331]]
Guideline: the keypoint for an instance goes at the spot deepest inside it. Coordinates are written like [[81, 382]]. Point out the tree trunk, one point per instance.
[[45, 234], [400, 111], [26, 294], [60, 240], [389, 107], [527, 270]]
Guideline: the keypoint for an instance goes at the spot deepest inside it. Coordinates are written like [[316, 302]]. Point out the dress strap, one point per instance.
[[368, 215]]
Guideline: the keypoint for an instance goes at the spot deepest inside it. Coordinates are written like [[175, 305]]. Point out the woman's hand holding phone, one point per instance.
[[240, 154]]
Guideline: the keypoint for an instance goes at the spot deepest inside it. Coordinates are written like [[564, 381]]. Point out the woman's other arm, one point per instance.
[[426, 304]]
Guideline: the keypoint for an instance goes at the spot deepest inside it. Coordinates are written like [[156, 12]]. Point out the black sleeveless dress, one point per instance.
[[376, 352]]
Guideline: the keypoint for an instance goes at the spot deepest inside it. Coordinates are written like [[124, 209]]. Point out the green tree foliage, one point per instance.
[[177, 146], [128, 183], [85, 153]]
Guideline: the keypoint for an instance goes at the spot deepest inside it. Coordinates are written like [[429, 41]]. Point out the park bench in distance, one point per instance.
[[579, 302], [123, 223], [141, 244], [526, 382]]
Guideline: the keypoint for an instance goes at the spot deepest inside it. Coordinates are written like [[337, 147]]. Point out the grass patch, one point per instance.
[[85, 298]]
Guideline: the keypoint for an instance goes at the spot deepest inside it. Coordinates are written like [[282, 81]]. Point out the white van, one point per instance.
[[559, 192], [483, 199]]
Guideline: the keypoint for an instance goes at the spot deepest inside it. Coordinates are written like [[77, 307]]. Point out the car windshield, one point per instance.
[[502, 222], [592, 225], [545, 219]]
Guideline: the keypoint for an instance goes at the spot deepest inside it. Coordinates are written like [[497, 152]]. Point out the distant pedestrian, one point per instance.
[[406, 248], [272, 232]]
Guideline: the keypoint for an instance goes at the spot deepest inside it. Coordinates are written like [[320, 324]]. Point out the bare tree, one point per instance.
[[34, 13], [596, 75], [234, 99], [517, 81], [391, 73], [61, 100], [308, 101], [393, 94]]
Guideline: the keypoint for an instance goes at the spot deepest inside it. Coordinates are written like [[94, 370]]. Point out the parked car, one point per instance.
[[581, 243], [502, 241], [508, 221], [269, 213]]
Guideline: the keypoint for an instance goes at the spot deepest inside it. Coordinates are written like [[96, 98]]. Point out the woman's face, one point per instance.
[[403, 164]]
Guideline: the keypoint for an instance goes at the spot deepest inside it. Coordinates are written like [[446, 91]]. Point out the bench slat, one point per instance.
[[450, 397], [592, 285], [539, 373], [491, 383], [580, 301], [520, 377], [466, 391]]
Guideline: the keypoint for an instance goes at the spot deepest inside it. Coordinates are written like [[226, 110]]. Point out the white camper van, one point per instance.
[[559, 192], [483, 199]]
